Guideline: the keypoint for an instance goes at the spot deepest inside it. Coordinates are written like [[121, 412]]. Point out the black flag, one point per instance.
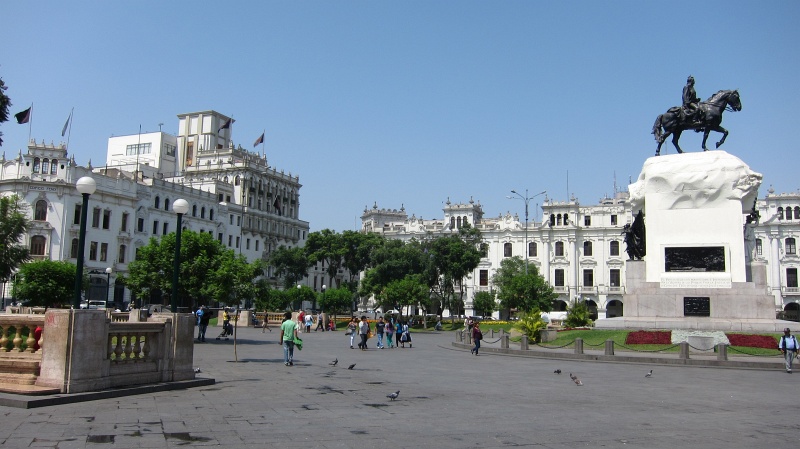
[[24, 116]]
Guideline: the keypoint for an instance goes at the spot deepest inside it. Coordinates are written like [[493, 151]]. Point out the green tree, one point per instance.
[[400, 293], [46, 283], [517, 290], [291, 265], [392, 261], [328, 247], [271, 299], [336, 300], [13, 225], [453, 258], [5, 103], [530, 324], [357, 255], [577, 314], [484, 303]]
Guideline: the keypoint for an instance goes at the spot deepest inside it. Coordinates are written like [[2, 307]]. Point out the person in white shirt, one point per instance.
[[788, 346]]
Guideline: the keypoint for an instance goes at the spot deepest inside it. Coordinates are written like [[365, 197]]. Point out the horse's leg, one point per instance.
[[661, 140], [705, 136], [675, 137], [724, 132]]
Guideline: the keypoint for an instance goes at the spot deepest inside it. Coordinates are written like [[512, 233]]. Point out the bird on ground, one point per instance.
[[197, 370], [334, 362], [650, 374], [572, 376], [577, 381], [558, 371], [394, 395], [351, 366]]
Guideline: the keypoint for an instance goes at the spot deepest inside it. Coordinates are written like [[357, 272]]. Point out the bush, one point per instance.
[[577, 315], [530, 324]]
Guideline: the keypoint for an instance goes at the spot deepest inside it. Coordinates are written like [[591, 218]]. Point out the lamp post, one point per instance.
[[324, 287], [299, 300], [527, 200], [109, 270], [180, 207], [86, 186]]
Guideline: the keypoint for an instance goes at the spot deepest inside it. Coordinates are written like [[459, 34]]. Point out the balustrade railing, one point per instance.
[[18, 333], [132, 342]]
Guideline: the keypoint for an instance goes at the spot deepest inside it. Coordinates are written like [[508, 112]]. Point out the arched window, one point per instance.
[[194, 210], [73, 252], [45, 166], [38, 243], [157, 202], [458, 222], [236, 181], [203, 212], [166, 203], [507, 248], [211, 214], [552, 220], [587, 248], [452, 222], [121, 255], [780, 209], [40, 214], [560, 249], [54, 167], [558, 219], [532, 250], [613, 248], [790, 247], [566, 219], [797, 212], [36, 164]]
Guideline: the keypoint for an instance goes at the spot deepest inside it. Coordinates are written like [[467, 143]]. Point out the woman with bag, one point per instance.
[[351, 330], [406, 336], [477, 336], [389, 332]]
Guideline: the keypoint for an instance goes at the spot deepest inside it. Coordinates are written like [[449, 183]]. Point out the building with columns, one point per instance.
[[580, 250]]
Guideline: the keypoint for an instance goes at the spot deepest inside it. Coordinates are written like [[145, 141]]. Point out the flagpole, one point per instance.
[[69, 133], [263, 144], [136, 173], [30, 122]]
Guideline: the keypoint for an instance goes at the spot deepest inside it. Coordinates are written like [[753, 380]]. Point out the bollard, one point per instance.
[[609, 347], [722, 351], [504, 341], [684, 350], [523, 343], [578, 346], [491, 333], [459, 336]]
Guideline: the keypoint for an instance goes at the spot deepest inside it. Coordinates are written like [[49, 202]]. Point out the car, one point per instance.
[[98, 305]]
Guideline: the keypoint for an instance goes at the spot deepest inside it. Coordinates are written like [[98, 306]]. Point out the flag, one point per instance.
[[259, 141], [226, 125], [24, 116], [277, 205], [66, 125]]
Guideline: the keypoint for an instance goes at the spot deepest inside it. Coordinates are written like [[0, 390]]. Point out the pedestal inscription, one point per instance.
[[696, 306]]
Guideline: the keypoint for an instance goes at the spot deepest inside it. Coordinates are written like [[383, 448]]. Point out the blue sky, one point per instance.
[[413, 102]]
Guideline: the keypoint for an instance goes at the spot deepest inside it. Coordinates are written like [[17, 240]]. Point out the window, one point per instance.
[[613, 220], [121, 255], [203, 212], [247, 244], [231, 219], [780, 209], [587, 220], [588, 278], [211, 214], [140, 225], [791, 277], [552, 220], [45, 166], [36, 164], [157, 203], [507, 249], [558, 219], [38, 243], [238, 220], [40, 214], [96, 217], [73, 251], [613, 278], [103, 252], [141, 148], [797, 212], [155, 227], [558, 279], [106, 219], [758, 247], [166, 203], [532, 250], [54, 167], [124, 226], [256, 245], [169, 149], [93, 251], [790, 247], [237, 242], [165, 228], [77, 218], [613, 248], [484, 278], [587, 248], [560, 249], [194, 210], [566, 219]]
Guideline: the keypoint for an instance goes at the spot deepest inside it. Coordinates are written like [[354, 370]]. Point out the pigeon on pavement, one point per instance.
[[351, 366], [650, 374], [558, 371], [577, 381], [394, 395], [197, 370], [572, 376], [334, 362]]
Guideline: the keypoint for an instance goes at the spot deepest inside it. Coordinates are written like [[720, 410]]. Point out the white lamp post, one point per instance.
[[180, 207], [86, 186]]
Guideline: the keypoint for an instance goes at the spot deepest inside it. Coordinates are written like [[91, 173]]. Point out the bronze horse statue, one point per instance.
[[710, 113]]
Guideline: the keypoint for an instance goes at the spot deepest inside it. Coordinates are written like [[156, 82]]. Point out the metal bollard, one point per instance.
[[609, 347], [684, 350], [504, 341], [523, 343], [722, 351], [578, 346]]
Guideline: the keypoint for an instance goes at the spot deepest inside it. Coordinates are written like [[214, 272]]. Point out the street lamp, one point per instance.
[[527, 200], [299, 300], [109, 270], [86, 186], [180, 207], [323, 294]]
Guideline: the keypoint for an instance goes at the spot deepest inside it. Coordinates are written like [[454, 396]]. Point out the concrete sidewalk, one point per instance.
[[448, 399]]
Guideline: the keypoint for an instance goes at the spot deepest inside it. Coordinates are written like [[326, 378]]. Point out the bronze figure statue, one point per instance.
[[705, 116], [635, 238]]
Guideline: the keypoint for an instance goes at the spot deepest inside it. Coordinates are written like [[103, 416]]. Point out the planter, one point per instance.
[[546, 335]]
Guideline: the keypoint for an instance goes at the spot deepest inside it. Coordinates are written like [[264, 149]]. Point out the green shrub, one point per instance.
[[578, 315], [530, 324]]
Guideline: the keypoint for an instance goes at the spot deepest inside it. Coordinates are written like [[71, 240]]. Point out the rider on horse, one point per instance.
[[691, 108]]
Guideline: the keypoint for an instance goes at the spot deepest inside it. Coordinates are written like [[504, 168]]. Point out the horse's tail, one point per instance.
[[657, 129]]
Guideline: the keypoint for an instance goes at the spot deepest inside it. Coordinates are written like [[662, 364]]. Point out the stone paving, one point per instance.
[[448, 399]]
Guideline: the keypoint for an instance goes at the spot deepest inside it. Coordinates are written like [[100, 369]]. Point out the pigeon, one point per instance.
[[573, 377], [197, 370], [351, 366], [558, 371], [394, 395], [577, 382], [650, 374], [334, 362]]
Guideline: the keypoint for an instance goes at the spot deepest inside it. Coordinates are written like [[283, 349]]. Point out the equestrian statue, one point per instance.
[[700, 116]]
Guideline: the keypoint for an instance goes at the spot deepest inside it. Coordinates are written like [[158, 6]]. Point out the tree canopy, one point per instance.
[[291, 265], [46, 283], [517, 290], [13, 225]]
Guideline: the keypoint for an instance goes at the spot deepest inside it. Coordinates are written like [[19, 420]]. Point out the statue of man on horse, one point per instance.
[[700, 116]]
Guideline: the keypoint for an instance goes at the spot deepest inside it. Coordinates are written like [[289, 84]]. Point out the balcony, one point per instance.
[[790, 290], [616, 290], [561, 289], [587, 289]]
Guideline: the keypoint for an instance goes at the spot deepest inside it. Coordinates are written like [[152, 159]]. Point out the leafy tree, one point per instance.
[[358, 249], [336, 300], [530, 324], [517, 290], [13, 225], [270, 299], [328, 247], [46, 283], [577, 315], [484, 303], [400, 293], [5, 103], [453, 258], [392, 261], [291, 264]]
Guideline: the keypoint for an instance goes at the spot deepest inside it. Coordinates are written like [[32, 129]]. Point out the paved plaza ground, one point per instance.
[[448, 399]]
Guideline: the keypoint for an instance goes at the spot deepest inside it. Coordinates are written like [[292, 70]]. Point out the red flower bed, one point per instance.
[[753, 341], [649, 338]]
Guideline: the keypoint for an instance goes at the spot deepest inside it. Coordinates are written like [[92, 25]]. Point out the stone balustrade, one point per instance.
[[15, 327]]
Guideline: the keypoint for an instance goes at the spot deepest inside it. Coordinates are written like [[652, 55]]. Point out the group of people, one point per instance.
[[306, 321], [394, 332]]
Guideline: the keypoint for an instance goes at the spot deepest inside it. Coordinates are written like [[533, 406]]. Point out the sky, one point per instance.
[[411, 103]]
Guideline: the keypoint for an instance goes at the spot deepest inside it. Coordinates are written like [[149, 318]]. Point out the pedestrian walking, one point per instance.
[[389, 329], [477, 336], [320, 324], [265, 323], [406, 336], [309, 322], [379, 329], [352, 330], [788, 346], [289, 333], [398, 332], [363, 331]]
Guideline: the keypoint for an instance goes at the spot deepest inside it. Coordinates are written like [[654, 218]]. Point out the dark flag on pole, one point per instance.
[[277, 205], [226, 125], [24, 116], [259, 141], [66, 125]]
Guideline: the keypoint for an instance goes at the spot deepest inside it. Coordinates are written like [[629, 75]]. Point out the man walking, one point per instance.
[[363, 330], [289, 333], [788, 346]]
